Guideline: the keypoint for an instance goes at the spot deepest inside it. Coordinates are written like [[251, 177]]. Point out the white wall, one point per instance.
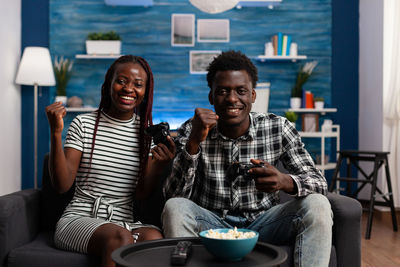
[[371, 75], [10, 97], [374, 56]]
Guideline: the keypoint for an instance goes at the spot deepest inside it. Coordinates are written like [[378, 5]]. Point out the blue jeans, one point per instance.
[[307, 222]]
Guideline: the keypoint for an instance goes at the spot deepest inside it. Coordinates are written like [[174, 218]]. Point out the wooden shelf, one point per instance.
[[263, 58], [82, 109], [86, 56]]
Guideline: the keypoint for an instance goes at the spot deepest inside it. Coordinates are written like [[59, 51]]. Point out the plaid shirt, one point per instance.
[[202, 177]]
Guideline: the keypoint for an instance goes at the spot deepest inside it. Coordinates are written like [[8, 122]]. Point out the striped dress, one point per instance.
[[105, 193]]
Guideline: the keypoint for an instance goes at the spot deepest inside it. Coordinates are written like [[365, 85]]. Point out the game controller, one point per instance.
[[242, 169], [159, 132]]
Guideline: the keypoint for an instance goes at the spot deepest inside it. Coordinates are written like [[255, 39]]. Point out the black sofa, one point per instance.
[[28, 218]]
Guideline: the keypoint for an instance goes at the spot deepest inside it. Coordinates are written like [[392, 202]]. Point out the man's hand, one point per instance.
[[269, 179], [162, 153], [203, 121], [55, 114]]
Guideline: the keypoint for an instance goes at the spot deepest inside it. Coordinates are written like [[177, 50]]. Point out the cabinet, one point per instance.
[[322, 135]]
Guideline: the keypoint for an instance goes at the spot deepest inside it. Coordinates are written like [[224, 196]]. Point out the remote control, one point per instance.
[[181, 252]]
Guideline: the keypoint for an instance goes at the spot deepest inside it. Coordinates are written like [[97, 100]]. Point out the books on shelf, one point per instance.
[[281, 43]]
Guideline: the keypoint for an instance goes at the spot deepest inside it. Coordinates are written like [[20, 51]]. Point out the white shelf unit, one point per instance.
[[264, 58], [89, 56], [335, 133], [82, 109]]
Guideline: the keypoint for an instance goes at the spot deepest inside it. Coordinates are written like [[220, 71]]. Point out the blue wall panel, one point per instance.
[[308, 21], [146, 31], [34, 32]]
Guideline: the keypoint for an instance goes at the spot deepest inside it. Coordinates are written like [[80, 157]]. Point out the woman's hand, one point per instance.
[[55, 114], [162, 153]]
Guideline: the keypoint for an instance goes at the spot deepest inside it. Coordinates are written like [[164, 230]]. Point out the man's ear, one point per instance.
[[253, 96], [211, 98]]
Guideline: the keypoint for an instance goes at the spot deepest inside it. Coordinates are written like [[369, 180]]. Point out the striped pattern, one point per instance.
[[115, 162], [103, 194]]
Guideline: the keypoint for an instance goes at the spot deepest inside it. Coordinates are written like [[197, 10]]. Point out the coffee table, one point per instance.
[[157, 253]]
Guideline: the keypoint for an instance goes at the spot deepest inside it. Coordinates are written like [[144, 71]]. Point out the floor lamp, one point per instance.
[[35, 69]]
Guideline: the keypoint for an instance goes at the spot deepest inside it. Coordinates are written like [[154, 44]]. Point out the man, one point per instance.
[[203, 192]]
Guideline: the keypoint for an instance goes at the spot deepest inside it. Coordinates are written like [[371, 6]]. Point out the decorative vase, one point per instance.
[[319, 104], [295, 102], [61, 98], [74, 102]]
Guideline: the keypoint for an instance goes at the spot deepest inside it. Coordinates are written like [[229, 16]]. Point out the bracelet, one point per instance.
[[135, 237]]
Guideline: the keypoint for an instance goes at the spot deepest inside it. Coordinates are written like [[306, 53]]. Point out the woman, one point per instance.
[[106, 155]]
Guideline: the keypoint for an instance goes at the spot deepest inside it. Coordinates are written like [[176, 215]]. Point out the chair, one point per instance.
[[354, 157]]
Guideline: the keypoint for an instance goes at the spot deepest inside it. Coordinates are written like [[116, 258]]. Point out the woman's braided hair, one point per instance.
[[144, 110]]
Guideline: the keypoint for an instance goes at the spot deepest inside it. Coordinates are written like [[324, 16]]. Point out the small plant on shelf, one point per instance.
[[62, 72], [291, 116], [319, 102], [111, 36], [103, 43], [302, 77]]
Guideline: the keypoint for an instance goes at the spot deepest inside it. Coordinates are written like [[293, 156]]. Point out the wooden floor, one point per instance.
[[383, 248]]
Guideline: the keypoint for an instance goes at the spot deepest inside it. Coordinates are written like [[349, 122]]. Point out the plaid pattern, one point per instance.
[[202, 177]]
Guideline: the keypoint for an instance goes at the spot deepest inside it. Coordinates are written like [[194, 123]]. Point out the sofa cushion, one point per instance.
[[52, 204], [290, 250], [42, 252]]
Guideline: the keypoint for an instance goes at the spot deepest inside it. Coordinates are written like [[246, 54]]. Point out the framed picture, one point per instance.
[[200, 59], [213, 30], [310, 122], [182, 30], [262, 98]]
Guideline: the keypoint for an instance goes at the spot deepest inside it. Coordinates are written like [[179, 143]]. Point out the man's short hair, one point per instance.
[[231, 60]]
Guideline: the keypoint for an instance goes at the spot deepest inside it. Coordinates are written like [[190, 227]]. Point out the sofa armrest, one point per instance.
[[347, 214], [19, 220]]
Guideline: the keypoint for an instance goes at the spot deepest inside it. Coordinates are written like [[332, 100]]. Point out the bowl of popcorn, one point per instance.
[[229, 244]]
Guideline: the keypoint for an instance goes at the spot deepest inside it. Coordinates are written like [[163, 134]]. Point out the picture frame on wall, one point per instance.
[[200, 59], [310, 122], [182, 29], [213, 30], [262, 97]]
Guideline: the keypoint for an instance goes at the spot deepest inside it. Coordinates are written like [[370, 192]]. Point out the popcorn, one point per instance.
[[231, 234]]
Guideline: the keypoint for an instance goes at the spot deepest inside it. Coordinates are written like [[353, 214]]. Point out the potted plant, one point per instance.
[[319, 102], [62, 72], [292, 117], [302, 77], [103, 43]]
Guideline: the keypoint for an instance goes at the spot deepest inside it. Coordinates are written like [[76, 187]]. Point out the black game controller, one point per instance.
[[159, 132], [242, 169]]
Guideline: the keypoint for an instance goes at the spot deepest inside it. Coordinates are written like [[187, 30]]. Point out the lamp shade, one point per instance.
[[35, 67], [214, 6]]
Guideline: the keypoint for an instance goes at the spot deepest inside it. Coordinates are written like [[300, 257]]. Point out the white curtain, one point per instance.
[[392, 94]]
